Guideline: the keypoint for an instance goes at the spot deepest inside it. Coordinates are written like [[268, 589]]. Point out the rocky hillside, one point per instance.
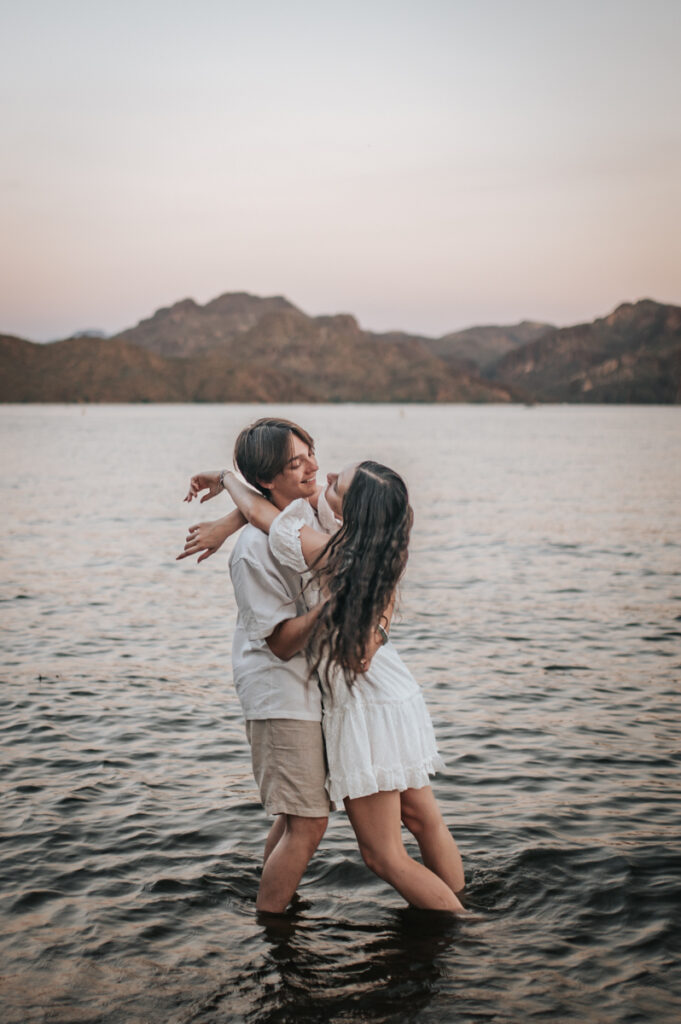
[[241, 348], [482, 347], [85, 370], [285, 356], [633, 355], [187, 329], [331, 359]]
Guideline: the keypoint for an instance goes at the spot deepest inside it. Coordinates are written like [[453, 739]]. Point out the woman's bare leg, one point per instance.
[[377, 825], [421, 815]]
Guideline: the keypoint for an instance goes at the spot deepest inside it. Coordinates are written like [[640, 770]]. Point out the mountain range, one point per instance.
[[244, 348]]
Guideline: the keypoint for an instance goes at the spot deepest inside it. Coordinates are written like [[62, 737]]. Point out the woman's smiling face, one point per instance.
[[337, 486]]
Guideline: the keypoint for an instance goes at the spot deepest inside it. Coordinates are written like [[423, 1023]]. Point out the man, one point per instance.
[[282, 708]]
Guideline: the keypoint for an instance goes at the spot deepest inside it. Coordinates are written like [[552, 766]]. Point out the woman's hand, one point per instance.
[[204, 481], [204, 539], [379, 637]]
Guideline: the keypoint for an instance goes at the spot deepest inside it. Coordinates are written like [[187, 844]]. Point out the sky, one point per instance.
[[426, 165]]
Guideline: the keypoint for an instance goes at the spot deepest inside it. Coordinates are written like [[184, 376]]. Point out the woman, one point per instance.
[[380, 744]]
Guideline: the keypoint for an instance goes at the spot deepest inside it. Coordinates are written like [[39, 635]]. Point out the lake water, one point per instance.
[[542, 615]]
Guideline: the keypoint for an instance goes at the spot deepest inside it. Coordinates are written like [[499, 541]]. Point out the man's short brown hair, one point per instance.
[[263, 449]]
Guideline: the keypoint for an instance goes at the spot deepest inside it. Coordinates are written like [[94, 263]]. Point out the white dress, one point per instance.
[[378, 733]]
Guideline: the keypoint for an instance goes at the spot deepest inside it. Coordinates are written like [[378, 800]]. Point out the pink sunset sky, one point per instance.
[[424, 165]]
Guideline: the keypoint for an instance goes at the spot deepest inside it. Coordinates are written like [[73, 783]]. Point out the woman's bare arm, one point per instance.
[[312, 544], [257, 510], [262, 513]]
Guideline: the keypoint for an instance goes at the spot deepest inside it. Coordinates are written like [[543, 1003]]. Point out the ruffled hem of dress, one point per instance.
[[377, 747], [380, 780]]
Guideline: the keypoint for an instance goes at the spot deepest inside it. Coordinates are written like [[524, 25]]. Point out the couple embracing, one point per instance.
[[333, 716]]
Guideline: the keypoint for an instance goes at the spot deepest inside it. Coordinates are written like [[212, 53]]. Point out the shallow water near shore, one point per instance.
[[541, 614]]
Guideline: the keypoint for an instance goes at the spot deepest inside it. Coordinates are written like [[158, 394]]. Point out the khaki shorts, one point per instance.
[[289, 766]]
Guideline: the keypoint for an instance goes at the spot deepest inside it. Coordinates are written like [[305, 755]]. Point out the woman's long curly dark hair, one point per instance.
[[364, 563]]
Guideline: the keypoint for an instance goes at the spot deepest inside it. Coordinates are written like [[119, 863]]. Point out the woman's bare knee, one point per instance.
[[384, 862], [420, 817], [413, 822]]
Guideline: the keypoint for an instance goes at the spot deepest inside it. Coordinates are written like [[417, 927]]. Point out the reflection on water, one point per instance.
[[542, 614], [323, 969]]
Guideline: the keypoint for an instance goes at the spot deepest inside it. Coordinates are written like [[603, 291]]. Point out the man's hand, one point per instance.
[[209, 537], [204, 481]]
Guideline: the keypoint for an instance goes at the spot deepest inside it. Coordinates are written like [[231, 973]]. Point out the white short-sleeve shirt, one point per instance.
[[267, 593]]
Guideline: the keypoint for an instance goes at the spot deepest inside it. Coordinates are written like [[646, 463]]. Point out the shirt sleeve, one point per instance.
[[261, 597], [285, 534]]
